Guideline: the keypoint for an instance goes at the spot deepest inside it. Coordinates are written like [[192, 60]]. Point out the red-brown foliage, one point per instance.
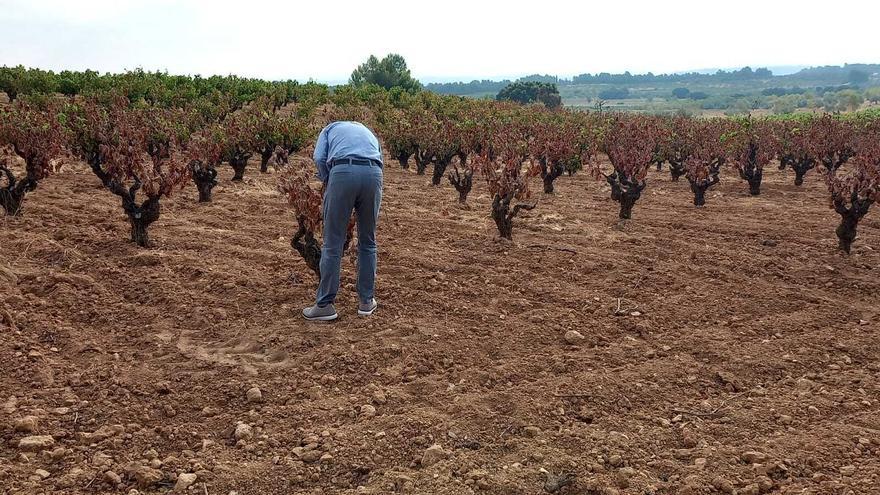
[[37, 137], [555, 145], [830, 141], [630, 142], [853, 191], [119, 145], [705, 155], [306, 198], [506, 177], [751, 145]]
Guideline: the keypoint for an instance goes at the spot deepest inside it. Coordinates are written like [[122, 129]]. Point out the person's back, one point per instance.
[[345, 139], [348, 158]]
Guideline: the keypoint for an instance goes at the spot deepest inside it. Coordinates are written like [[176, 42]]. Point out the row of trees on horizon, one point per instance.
[[848, 73]]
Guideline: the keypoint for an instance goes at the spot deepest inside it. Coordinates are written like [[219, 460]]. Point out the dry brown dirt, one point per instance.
[[746, 360]]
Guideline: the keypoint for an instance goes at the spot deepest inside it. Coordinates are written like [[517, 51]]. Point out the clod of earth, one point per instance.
[[555, 482], [754, 457], [378, 397], [27, 424], [36, 443], [433, 455], [531, 431], [112, 478], [184, 481], [102, 433], [243, 431], [574, 337], [254, 394], [368, 411], [146, 477]]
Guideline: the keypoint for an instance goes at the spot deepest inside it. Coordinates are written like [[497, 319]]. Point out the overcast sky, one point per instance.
[[449, 40]]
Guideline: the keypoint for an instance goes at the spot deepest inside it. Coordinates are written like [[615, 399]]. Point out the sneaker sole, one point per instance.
[[322, 318], [368, 313]]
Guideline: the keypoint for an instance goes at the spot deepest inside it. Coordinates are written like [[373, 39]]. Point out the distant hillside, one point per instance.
[[811, 76]]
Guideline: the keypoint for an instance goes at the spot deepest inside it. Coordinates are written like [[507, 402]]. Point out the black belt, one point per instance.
[[356, 161]]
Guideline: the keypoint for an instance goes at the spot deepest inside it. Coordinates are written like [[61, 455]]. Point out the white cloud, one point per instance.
[[451, 39]]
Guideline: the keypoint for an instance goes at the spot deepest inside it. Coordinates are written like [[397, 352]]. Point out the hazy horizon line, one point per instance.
[[777, 70]]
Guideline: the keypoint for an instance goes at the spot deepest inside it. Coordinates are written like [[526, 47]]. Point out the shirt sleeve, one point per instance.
[[320, 157], [379, 147]]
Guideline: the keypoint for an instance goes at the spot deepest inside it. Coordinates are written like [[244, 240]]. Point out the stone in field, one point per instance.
[[112, 478], [311, 456], [145, 477], [36, 442], [184, 481], [433, 455], [754, 457], [531, 431], [101, 434], [254, 394], [243, 431], [27, 424]]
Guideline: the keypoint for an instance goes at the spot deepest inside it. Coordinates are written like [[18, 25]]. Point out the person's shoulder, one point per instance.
[[352, 125], [341, 124], [362, 126]]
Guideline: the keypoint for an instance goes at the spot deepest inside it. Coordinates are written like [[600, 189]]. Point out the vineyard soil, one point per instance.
[[730, 347]]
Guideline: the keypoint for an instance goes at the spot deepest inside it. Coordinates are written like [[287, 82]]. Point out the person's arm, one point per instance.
[[322, 148], [378, 146]]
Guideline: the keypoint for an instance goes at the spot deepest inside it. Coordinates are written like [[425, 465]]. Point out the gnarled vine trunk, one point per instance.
[[849, 220], [615, 186], [699, 189], [239, 163], [307, 245], [676, 169], [785, 161], [753, 176], [440, 165], [265, 156], [628, 198], [463, 181], [13, 193], [550, 171], [801, 167], [625, 191], [403, 158], [503, 214], [423, 158], [751, 172], [205, 179], [304, 242], [700, 186], [141, 216]]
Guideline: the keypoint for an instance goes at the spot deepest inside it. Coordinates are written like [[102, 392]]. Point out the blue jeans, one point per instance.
[[358, 188]]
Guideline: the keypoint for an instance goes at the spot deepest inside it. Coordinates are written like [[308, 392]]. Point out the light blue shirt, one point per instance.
[[345, 139]]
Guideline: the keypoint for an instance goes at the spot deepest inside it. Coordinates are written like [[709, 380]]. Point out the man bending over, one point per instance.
[[349, 161]]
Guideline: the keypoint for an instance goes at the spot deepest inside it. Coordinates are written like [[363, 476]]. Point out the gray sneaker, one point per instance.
[[366, 309], [320, 313]]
